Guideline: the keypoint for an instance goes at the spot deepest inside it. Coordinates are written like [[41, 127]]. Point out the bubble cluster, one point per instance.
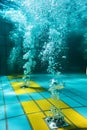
[[40, 30]]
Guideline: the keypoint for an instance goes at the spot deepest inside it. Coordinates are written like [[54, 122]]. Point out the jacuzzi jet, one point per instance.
[[56, 122], [26, 80], [24, 86]]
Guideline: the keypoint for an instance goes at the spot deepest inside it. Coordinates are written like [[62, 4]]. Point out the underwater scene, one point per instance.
[[43, 64]]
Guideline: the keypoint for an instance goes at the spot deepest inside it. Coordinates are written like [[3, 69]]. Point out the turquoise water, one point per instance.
[[46, 36]]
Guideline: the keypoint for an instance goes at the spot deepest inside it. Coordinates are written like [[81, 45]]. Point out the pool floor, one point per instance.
[[27, 108]]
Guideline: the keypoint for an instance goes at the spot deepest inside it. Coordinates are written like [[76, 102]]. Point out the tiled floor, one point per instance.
[[26, 108]]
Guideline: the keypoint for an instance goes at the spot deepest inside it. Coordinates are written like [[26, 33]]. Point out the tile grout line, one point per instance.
[[5, 110], [56, 107], [73, 99], [35, 103], [43, 111], [65, 108], [39, 106], [22, 106]]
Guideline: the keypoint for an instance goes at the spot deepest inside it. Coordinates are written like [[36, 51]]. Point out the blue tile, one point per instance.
[[36, 96], [1, 101], [9, 93], [10, 97], [7, 87], [4, 78], [43, 84], [1, 94], [2, 125], [1, 98], [79, 99], [18, 123], [7, 90], [0, 87], [24, 97], [13, 80], [2, 112], [69, 101], [82, 111], [46, 94], [13, 110]]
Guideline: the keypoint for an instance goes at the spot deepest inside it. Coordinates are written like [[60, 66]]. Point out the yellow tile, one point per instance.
[[36, 86], [17, 85], [29, 90], [33, 84], [30, 107], [58, 103], [76, 118], [44, 104], [32, 88], [37, 121], [20, 91]]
